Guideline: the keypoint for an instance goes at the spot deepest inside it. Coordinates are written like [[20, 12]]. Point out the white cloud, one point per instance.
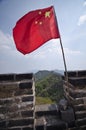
[[82, 20], [5, 38], [7, 46], [71, 52], [48, 56], [84, 4]]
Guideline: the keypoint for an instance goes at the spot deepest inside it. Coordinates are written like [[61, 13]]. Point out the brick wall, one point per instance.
[[17, 102], [75, 92]]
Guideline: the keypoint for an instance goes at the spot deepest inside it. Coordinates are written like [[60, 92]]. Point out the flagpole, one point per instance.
[[66, 73]]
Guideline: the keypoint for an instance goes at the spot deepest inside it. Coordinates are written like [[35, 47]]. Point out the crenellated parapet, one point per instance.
[[17, 101], [75, 93]]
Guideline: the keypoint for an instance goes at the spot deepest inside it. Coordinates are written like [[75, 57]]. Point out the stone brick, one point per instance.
[[25, 105], [16, 128], [55, 127], [24, 76], [80, 114], [27, 98], [27, 113], [67, 115], [6, 77], [78, 81], [81, 122], [78, 94], [20, 122], [80, 107], [6, 101], [78, 101], [25, 85], [2, 124], [3, 109], [13, 115], [17, 100], [21, 92], [28, 128], [2, 116], [40, 127], [13, 108]]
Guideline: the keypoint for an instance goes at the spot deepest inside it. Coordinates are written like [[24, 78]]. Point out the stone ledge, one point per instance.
[[81, 122], [49, 109], [80, 107], [16, 122], [15, 77], [50, 123], [80, 114]]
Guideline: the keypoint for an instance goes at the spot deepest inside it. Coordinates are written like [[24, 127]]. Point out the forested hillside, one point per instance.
[[49, 87]]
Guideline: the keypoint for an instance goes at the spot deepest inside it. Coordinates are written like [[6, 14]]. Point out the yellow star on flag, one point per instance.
[[47, 14]]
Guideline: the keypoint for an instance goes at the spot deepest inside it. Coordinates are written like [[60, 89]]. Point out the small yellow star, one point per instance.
[[47, 14]]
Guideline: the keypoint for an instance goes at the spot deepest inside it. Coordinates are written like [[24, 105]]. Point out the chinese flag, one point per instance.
[[34, 29]]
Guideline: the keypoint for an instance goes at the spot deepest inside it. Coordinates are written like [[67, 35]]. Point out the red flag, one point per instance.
[[34, 29]]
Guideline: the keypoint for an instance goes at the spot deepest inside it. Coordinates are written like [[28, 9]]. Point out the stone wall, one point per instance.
[[75, 92], [18, 110], [17, 102]]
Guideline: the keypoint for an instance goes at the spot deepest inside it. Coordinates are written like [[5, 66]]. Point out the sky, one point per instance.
[[71, 17]]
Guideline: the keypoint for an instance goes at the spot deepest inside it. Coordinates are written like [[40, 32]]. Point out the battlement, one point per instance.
[[75, 93], [17, 101], [19, 112]]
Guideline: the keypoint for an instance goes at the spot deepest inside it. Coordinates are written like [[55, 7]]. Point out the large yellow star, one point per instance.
[[47, 14]]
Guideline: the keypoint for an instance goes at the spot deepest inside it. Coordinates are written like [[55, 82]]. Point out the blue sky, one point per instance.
[[71, 17]]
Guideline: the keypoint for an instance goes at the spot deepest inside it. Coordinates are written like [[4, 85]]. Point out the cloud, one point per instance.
[[51, 50], [82, 20], [84, 4], [48, 56], [71, 52], [6, 40]]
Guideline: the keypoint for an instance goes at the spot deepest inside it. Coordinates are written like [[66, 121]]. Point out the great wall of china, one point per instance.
[[19, 112]]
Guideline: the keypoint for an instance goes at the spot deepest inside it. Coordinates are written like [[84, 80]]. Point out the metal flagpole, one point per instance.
[[66, 73]]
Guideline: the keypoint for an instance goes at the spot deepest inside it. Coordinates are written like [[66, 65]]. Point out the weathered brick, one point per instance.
[[27, 113], [2, 124], [6, 77], [23, 76], [27, 98], [67, 115], [40, 127], [13, 115], [3, 109], [28, 128], [80, 114], [55, 127], [13, 108], [25, 85], [20, 122], [2, 116], [25, 105], [81, 122], [20, 92], [80, 107], [16, 128], [6, 101]]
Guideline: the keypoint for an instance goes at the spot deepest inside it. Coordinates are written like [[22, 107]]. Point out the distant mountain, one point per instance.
[[43, 73], [59, 72], [49, 84]]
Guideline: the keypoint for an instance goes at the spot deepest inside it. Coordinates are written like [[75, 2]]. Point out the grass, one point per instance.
[[43, 100]]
